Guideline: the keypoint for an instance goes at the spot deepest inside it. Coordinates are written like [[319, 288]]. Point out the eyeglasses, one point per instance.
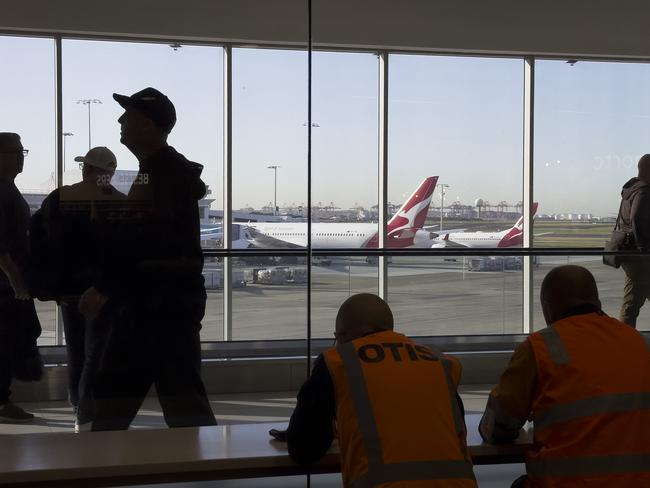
[[24, 152]]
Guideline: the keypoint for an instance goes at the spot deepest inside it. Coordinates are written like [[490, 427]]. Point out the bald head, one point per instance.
[[566, 287], [361, 315], [644, 168]]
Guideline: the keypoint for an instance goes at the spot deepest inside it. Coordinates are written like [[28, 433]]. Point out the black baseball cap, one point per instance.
[[153, 104]]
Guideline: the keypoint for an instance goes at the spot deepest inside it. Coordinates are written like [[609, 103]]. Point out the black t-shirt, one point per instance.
[[14, 225]]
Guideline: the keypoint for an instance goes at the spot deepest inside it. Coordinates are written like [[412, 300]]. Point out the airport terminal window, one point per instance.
[[592, 124], [344, 149], [269, 298], [334, 280], [270, 142], [465, 295], [458, 119], [192, 77], [28, 101]]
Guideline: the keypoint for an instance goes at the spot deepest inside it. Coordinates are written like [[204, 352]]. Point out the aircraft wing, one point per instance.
[[445, 242], [436, 230], [260, 240]]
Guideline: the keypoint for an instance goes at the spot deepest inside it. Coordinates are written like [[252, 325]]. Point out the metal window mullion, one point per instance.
[[58, 321], [528, 165], [383, 170], [227, 192]]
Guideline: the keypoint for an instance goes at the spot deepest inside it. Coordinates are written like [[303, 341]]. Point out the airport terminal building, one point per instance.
[[444, 156]]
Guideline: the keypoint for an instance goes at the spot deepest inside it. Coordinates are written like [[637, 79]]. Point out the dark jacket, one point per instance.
[[14, 224], [635, 212], [156, 250], [66, 238]]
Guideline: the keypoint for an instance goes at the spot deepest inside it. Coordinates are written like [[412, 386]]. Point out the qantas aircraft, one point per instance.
[[512, 237], [404, 229]]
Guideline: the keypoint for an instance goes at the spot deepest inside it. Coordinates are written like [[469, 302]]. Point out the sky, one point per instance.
[[459, 118]]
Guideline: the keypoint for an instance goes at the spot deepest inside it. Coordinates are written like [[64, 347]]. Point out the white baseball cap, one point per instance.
[[100, 157]]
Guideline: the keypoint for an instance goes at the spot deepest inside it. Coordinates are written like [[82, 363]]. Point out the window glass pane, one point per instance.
[[28, 101], [592, 123], [192, 77], [269, 298], [610, 281], [269, 147], [456, 296], [460, 119], [334, 280], [344, 138]]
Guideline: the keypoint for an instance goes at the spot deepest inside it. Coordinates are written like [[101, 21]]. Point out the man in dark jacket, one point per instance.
[[154, 279], [19, 324], [635, 219], [67, 240]]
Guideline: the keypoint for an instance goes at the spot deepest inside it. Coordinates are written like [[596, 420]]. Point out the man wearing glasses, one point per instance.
[[19, 325]]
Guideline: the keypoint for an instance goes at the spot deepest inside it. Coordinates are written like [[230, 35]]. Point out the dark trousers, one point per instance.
[[85, 344], [19, 330], [637, 288], [74, 327], [152, 345]]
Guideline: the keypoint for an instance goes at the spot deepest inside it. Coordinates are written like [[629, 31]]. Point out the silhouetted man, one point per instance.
[[635, 219], [19, 324], [67, 238], [155, 276], [584, 381]]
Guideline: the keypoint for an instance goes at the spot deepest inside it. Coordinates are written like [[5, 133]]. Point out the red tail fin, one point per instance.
[[413, 213]]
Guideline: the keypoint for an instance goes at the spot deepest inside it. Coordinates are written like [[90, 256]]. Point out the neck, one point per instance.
[[146, 152]]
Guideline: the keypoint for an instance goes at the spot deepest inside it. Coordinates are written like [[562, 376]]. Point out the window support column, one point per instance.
[[227, 192], [383, 170], [528, 160]]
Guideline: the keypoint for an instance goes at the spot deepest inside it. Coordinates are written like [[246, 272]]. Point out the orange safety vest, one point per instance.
[[591, 406], [398, 421]]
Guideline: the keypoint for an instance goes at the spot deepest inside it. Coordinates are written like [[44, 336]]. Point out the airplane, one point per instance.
[[404, 229], [512, 237]]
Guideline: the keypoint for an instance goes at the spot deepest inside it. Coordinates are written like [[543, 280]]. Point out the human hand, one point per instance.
[[91, 303], [21, 292]]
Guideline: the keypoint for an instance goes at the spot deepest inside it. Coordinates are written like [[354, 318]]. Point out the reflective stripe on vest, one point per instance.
[[590, 465], [615, 402], [378, 472], [555, 346]]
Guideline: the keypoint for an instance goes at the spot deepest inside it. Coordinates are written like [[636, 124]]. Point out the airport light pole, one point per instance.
[[65, 135], [275, 167], [88, 102], [442, 201]]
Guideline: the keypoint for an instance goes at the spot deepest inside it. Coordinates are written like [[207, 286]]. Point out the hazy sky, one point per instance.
[[459, 118]]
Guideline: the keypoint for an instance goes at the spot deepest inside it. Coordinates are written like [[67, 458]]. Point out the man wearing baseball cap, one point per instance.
[[67, 237], [155, 275]]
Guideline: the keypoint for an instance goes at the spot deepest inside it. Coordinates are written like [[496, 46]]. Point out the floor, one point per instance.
[[248, 408]]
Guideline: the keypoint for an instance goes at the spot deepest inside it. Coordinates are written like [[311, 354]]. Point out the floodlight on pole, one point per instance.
[[275, 167], [65, 134], [442, 187], [89, 102]]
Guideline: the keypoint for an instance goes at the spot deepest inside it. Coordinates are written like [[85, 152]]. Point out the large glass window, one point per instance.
[[460, 119], [192, 77], [592, 124]]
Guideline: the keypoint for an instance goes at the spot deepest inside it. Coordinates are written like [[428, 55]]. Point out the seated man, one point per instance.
[[391, 403], [585, 383]]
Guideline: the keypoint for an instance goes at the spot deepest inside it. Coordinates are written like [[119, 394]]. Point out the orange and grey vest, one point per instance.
[[398, 420], [591, 408]]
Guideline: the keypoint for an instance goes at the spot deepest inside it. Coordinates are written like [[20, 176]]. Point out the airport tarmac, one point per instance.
[[428, 296]]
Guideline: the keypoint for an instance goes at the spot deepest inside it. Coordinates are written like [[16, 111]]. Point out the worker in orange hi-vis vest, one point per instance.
[[391, 403], [584, 381]]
